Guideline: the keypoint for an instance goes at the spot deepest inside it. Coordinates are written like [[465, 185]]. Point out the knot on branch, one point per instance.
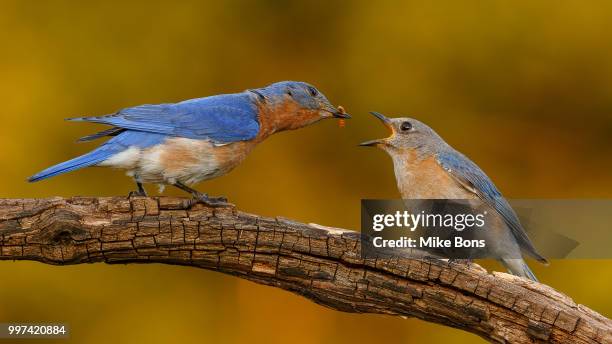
[[58, 227]]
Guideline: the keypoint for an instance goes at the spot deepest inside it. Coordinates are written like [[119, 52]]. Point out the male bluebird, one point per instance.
[[426, 167], [183, 143]]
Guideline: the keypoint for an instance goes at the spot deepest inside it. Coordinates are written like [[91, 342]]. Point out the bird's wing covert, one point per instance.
[[224, 118], [472, 178]]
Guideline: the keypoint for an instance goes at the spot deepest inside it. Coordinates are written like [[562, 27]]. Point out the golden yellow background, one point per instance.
[[522, 87]]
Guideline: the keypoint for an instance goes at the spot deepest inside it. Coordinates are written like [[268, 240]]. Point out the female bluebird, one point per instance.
[[426, 167], [184, 143]]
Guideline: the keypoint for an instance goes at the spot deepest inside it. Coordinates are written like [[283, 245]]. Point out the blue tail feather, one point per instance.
[[89, 159], [109, 148], [528, 273], [518, 267]]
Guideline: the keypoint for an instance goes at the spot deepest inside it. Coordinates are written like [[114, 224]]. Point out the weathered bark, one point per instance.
[[321, 263]]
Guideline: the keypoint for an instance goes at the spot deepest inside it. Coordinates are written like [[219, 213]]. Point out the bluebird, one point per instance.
[[181, 144], [426, 167]]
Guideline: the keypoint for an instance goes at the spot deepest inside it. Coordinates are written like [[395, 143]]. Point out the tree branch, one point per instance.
[[321, 263]]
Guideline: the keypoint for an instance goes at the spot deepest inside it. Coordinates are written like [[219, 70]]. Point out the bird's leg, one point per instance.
[[141, 191], [202, 197]]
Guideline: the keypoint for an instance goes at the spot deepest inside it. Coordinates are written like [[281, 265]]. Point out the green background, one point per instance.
[[524, 88]]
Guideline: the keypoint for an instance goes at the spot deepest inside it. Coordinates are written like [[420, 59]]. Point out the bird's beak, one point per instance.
[[339, 114], [372, 143], [386, 122], [336, 112], [382, 118]]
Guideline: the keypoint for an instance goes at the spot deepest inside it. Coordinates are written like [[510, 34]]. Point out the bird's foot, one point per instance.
[[137, 194], [211, 201], [434, 258], [462, 261]]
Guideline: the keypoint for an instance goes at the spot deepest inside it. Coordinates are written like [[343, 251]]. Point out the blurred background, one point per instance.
[[524, 88]]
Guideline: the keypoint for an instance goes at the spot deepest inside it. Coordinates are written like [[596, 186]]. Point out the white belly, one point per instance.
[[179, 159]]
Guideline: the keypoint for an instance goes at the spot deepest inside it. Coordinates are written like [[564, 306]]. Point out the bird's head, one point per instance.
[[407, 134], [293, 104]]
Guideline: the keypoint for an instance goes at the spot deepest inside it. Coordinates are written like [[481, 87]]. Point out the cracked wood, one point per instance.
[[320, 263]]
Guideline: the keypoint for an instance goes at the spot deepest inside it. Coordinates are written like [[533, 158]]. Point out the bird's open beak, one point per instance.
[[372, 143], [386, 122]]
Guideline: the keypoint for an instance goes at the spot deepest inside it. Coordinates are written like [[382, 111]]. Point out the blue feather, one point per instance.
[[111, 147], [223, 118], [468, 174]]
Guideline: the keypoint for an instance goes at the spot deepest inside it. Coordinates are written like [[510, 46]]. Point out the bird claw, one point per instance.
[[137, 194], [462, 261], [211, 201]]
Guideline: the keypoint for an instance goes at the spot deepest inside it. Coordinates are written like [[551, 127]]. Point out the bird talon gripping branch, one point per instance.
[[214, 202]]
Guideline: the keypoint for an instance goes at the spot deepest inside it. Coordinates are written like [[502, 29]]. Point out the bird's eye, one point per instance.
[[405, 126], [313, 91], [289, 93]]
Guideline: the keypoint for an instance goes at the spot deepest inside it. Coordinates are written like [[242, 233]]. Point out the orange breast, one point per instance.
[[426, 179]]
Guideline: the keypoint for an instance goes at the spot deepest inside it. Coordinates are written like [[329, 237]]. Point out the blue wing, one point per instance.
[[224, 118], [471, 177]]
